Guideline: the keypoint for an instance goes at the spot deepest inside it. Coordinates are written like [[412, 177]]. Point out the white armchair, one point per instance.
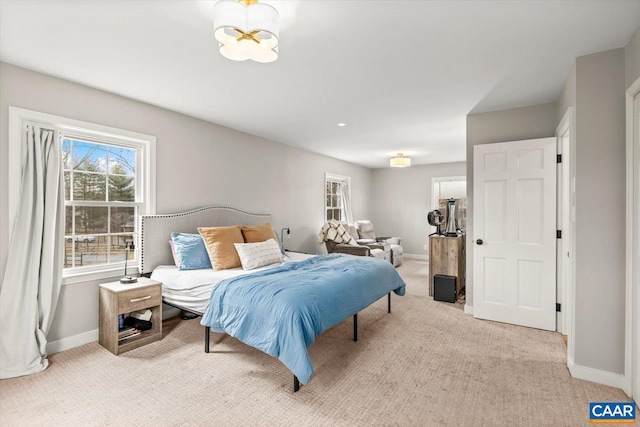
[[380, 250], [367, 234]]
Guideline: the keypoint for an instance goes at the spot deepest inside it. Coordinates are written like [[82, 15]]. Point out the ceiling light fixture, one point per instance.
[[246, 29], [400, 161], [342, 125]]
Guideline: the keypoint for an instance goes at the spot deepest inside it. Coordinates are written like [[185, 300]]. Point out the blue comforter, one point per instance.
[[281, 310]]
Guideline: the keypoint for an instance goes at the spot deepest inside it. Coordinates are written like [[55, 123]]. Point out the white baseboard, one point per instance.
[[91, 336], [468, 309], [595, 375], [71, 342], [416, 256]]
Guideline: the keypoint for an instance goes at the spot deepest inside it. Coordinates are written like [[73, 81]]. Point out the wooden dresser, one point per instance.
[[447, 256]]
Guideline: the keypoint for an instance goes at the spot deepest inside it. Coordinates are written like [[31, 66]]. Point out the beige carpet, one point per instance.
[[427, 363]]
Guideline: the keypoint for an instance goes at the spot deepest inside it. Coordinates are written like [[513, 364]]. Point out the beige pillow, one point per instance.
[[219, 243], [258, 233], [254, 255]]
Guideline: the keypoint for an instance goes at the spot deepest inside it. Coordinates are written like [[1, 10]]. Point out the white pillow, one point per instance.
[[254, 255]]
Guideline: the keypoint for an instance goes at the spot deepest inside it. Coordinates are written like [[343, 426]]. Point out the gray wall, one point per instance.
[[401, 200], [600, 188], [567, 95], [632, 59], [198, 163], [538, 121]]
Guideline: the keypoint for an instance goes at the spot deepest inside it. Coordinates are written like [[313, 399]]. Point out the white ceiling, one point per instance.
[[402, 74]]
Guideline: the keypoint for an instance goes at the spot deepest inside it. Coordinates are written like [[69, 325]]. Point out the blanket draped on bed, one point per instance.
[[281, 310]]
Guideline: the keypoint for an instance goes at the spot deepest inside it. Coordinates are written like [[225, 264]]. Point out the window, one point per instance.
[[337, 198], [100, 201], [108, 183]]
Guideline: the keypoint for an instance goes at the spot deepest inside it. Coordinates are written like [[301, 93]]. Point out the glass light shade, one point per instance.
[[259, 21], [400, 161]]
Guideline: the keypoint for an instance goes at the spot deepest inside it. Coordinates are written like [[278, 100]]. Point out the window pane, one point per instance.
[[93, 251], [121, 188], [67, 185], [91, 220], [88, 156], [119, 245], [89, 186], [328, 201], [334, 187], [336, 214], [123, 220], [334, 201], [328, 188], [68, 220], [68, 253], [83, 249], [122, 161], [67, 154]]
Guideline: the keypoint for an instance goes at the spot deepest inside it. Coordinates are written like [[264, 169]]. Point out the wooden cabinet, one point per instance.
[[447, 256], [120, 298]]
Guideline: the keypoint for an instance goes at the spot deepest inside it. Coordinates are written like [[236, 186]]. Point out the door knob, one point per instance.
[[479, 241]]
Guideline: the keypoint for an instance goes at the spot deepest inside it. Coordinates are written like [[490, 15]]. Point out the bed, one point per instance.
[[279, 309]]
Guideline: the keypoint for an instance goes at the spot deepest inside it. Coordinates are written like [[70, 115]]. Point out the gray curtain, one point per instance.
[[33, 275]]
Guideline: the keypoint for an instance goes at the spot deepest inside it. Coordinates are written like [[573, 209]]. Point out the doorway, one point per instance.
[[450, 187]]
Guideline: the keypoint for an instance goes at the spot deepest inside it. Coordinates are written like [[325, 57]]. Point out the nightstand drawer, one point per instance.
[[138, 299]]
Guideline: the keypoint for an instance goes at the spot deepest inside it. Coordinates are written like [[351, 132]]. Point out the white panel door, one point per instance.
[[514, 221]]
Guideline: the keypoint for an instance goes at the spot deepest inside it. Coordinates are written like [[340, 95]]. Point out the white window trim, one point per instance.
[[20, 116], [333, 177]]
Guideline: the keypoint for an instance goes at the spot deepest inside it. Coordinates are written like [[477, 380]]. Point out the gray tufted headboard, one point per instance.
[[155, 230]]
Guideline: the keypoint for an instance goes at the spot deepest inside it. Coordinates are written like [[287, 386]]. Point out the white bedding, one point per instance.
[[191, 289]]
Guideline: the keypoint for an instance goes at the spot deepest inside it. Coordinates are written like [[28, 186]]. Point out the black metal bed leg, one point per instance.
[[355, 327], [296, 384], [207, 333], [389, 302]]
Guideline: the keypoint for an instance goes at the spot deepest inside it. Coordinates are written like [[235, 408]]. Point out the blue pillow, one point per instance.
[[190, 250]]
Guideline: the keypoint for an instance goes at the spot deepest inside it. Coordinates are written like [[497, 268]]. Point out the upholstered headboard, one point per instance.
[[155, 230]]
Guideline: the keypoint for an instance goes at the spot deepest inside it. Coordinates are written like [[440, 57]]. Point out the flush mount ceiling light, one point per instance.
[[400, 161], [246, 29]]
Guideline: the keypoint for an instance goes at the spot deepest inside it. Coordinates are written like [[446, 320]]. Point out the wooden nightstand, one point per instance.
[[121, 298]]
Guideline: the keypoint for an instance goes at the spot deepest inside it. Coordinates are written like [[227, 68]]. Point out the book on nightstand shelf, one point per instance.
[[128, 333]]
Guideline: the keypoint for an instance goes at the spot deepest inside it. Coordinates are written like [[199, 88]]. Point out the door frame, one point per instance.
[[632, 279], [566, 283]]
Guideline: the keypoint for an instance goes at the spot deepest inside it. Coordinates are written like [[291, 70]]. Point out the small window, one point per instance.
[[337, 200]]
